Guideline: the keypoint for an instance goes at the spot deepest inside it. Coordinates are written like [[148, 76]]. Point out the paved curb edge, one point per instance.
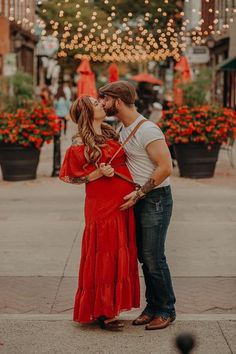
[[128, 317]]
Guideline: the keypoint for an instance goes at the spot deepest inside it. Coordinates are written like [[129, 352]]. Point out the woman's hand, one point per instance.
[[106, 170]]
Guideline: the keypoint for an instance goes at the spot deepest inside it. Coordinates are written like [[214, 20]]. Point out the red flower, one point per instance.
[[29, 127], [206, 124]]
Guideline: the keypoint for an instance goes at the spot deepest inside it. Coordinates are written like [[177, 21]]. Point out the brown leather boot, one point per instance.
[[142, 320], [159, 323]]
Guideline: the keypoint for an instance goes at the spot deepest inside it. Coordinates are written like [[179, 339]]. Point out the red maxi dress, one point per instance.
[[108, 275]]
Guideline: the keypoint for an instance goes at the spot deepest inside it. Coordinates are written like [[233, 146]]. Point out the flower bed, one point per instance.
[[29, 127], [205, 124]]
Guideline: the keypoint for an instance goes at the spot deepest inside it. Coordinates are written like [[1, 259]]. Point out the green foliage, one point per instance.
[[15, 91], [139, 9], [70, 16], [77, 11], [196, 92]]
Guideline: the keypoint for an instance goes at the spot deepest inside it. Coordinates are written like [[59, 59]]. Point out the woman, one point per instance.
[[108, 276], [62, 106], [46, 99]]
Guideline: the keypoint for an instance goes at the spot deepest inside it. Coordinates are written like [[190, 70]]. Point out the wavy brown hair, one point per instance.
[[82, 113]]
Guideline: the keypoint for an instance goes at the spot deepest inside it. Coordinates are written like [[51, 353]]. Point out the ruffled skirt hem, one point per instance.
[[108, 276]]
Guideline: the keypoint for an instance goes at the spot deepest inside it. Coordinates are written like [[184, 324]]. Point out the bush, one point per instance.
[[16, 90], [195, 93], [204, 124], [29, 128]]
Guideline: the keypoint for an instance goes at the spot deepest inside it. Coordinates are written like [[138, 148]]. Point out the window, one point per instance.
[[6, 12], [16, 10]]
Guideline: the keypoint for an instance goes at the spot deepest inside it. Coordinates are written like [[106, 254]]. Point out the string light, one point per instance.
[[112, 39]]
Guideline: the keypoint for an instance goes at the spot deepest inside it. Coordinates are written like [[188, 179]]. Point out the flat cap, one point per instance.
[[120, 89]]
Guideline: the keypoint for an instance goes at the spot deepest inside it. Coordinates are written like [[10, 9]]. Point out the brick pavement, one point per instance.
[[47, 295]]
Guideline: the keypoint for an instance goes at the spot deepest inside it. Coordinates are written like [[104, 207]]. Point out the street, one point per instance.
[[41, 228]]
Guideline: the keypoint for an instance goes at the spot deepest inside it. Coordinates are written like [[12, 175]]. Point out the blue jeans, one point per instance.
[[152, 216]]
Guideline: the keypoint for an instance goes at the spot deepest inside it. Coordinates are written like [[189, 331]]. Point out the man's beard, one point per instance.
[[111, 111]]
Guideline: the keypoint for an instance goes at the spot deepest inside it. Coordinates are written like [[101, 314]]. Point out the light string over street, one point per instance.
[[97, 31]]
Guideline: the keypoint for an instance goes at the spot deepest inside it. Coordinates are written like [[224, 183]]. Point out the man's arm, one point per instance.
[[159, 154]]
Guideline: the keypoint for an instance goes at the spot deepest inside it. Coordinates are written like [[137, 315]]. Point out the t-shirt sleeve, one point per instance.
[[149, 133], [74, 166]]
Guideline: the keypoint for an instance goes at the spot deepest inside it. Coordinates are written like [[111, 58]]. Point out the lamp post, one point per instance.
[[46, 50], [57, 154], [210, 42], [18, 41]]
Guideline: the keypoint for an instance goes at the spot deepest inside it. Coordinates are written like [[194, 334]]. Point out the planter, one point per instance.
[[17, 162], [195, 160]]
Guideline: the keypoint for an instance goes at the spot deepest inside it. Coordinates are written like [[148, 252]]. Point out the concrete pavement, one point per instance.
[[56, 334], [41, 223]]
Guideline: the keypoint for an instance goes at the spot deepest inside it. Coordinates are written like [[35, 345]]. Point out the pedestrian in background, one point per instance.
[[62, 106], [46, 97], [67, 90]]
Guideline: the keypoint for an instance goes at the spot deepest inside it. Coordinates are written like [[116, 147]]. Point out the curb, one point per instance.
[[127, 317]]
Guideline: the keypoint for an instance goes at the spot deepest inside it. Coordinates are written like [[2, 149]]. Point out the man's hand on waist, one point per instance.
[[132, 198]]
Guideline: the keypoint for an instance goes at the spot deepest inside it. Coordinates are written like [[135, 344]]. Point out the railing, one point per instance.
[[229, 148]]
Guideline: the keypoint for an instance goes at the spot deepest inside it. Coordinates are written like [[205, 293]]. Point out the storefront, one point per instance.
[[228, 69]]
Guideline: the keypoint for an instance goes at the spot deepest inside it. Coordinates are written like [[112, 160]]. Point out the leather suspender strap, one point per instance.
[[124, 177], [127, 139], [121, 147]]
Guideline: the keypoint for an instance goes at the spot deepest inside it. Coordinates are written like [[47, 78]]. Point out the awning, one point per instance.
[[145, 77], [228, 65]]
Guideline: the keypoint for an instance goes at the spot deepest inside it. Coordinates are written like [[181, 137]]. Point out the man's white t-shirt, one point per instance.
[[138, 161]]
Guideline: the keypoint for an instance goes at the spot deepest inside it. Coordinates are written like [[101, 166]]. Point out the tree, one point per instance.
[[21, 89], [196, 93], [113, 32]]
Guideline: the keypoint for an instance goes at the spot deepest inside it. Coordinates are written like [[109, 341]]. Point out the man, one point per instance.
[[149, 161]]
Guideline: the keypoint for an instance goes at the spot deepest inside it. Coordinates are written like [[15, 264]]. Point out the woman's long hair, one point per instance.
[[82, 114], [60, 93]]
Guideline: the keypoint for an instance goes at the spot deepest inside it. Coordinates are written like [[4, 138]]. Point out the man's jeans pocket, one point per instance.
[[152, 212]]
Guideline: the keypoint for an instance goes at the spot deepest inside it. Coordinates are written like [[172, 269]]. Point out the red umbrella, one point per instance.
[[182, 75], [144, 77], [86, 83], [184, 68], [114, 73]]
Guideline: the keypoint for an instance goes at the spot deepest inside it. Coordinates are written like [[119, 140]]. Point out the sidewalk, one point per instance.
[[41, 223]]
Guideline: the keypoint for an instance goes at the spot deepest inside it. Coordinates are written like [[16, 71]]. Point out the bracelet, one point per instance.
[[148, 186], [140, 194], [85, 179]]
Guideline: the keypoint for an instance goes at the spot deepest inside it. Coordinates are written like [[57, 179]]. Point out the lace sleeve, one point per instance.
[[74, 180], [73, 168]]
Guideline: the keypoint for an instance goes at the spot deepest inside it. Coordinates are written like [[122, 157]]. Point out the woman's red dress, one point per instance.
[[108, 276]]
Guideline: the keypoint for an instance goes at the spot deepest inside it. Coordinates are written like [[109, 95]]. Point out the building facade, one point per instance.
[[17, 22], [215, 21], [220, 26]]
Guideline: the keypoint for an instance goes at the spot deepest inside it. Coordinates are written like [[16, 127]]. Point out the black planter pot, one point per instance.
[[195, 160], [18, 163]]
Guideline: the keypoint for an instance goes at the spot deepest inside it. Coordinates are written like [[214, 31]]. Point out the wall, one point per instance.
[[232, 44], [5, 36]]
